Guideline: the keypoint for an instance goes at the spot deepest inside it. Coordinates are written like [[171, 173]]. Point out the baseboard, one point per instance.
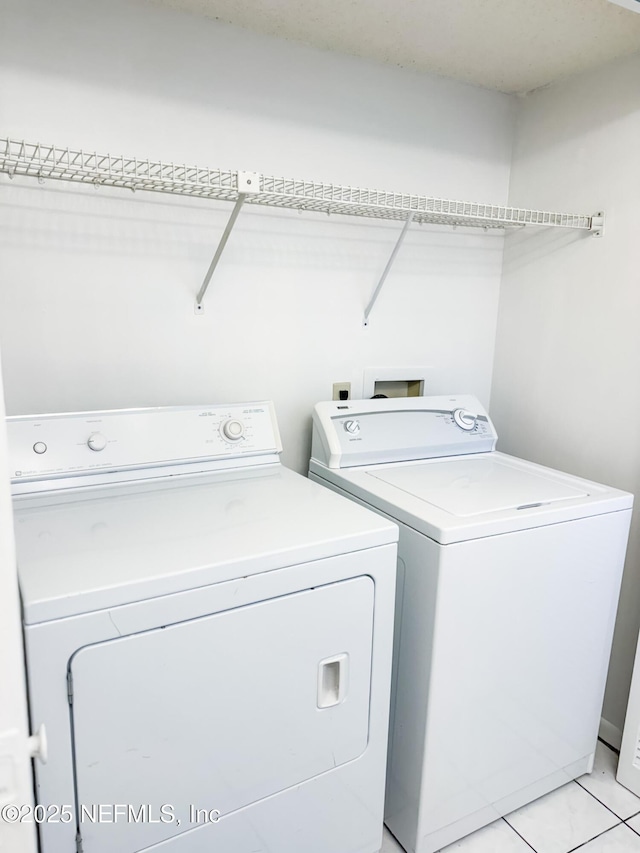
[[610, 734]]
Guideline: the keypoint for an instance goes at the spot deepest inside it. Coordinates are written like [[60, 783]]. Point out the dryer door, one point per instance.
[[218, 712]]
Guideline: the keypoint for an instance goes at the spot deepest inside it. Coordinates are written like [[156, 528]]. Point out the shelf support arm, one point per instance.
[[387, 269], [223, 242]]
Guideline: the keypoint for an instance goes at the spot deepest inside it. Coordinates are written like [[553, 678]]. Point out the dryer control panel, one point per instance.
[[59, 446], [368, 432]]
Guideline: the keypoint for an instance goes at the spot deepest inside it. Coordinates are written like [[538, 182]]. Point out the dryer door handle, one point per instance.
[[333, 680]]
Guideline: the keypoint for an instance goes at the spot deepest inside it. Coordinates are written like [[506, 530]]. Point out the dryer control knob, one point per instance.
[[97, 441], [464, 419], [233, 429], [352, 426]]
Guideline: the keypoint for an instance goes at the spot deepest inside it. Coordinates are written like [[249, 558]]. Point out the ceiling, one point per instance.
[[510, 45]]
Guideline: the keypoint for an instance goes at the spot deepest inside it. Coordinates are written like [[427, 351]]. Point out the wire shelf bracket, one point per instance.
[[247, 183], [49, 162], [387, 269]]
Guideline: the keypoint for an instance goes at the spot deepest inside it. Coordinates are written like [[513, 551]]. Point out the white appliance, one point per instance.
[[16, 746], [208, 636], [508, 581]]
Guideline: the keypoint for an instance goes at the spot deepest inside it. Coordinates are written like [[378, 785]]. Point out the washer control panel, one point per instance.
[[367, 432], [43, 447]]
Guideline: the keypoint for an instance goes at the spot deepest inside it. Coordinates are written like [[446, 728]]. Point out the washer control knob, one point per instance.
[[233, 429], [40, 447], [352, 427], [464, 419], [96, 441]]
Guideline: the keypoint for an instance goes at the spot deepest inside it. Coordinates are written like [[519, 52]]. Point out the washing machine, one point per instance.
[[509, 575], [208, 637]]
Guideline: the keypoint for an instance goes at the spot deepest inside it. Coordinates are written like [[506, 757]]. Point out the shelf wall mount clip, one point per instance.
[[387, 269], [597, 224], [247, 183]]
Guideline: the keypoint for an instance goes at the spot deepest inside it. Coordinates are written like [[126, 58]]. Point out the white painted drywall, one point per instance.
[[566, 388], [97, 287]]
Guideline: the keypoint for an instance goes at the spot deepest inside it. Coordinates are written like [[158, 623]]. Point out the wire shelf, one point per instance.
[[64, 164]]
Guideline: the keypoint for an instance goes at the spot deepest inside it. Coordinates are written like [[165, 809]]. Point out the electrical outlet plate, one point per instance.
[[341, 386]]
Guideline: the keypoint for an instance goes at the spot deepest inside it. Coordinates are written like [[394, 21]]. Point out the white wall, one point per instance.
[[97, 287], [566, 388]]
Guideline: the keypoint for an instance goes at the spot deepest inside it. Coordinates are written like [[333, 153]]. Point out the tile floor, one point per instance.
[[592, 815]]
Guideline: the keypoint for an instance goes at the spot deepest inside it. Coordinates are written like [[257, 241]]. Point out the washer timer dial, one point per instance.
[[464, 419], [232, 429], [352, 427]]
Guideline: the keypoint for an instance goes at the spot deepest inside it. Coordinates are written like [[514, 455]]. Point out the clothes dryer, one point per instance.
[[208, 636], [509, 575]]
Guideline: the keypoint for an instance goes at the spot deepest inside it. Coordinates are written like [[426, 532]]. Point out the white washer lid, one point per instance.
[[460, 498], [470, 486]]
